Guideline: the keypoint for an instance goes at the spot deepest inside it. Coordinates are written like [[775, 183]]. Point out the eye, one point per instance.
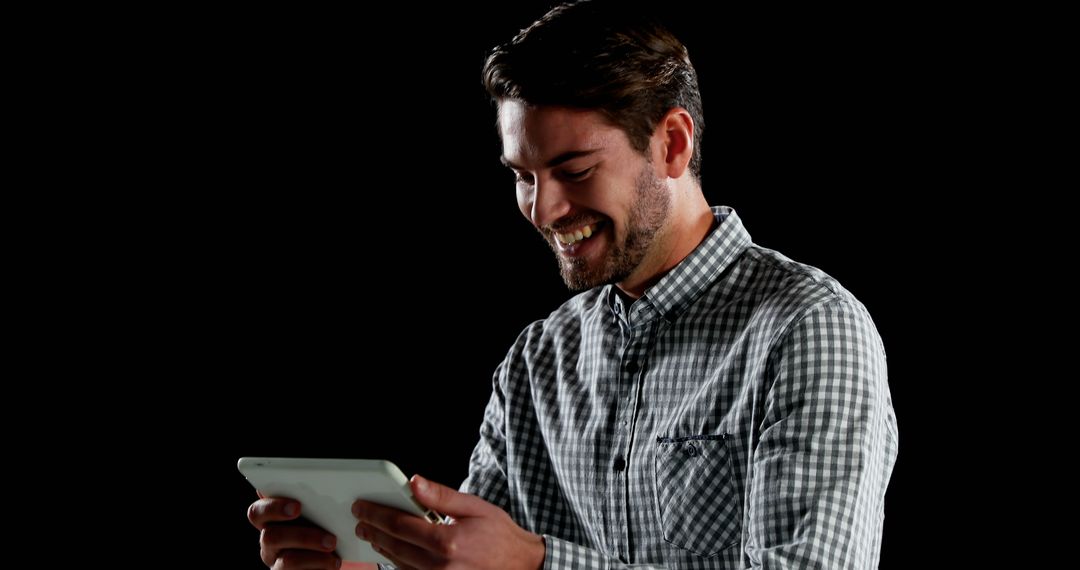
[[523, 178], [579, 175]]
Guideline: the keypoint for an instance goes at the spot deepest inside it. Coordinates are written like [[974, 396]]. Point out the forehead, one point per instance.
[[533, 135]]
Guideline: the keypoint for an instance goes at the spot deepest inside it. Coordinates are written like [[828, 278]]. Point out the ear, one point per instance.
[[674, 142]]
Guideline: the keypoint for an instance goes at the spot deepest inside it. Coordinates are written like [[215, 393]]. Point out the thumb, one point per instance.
[[445, 500]]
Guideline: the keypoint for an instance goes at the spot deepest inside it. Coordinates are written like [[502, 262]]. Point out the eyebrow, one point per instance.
[[564, 157]]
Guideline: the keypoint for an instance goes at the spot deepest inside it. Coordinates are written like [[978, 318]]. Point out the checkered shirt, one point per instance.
[[737, 415]]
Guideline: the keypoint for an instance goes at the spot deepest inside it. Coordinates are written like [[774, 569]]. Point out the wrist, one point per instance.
[[538, 551]]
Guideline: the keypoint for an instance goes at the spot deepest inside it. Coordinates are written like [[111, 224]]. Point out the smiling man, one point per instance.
[[610, 213], [704, 402]]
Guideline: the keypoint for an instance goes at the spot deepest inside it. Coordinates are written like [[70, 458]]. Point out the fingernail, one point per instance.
[[361, 532], [420, 484], [291, 509], [337, 563], [328, 542]]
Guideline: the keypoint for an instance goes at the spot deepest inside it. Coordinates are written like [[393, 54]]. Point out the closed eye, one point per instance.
[[579, 175], [523, 178]]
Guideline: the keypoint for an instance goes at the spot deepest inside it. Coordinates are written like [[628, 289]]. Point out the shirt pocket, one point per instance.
[[698, 507]]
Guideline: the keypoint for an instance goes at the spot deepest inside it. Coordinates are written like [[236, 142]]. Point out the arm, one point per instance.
[[482, 537], [563, 555], [487, 465], [827, 446], [487, 478], [474, 507]]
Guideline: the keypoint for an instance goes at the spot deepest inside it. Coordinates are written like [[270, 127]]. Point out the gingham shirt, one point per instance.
[[736, 415]]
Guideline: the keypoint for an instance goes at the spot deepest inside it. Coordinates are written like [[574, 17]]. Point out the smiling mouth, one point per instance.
[[580, 234]]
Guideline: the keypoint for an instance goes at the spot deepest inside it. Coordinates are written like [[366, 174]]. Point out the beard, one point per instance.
[[652, 204]]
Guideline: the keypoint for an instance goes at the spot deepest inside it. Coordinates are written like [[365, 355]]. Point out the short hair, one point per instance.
[[602, 56]]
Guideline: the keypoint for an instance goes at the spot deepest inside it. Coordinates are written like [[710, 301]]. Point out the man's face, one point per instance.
[[596, 200]]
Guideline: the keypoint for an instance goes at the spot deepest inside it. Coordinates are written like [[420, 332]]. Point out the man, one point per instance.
[[704, 403]]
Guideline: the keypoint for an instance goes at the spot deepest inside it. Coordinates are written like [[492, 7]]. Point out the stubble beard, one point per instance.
[[648, 214]]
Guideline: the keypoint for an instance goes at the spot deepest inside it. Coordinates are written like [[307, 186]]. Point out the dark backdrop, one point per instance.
[[350, 264]]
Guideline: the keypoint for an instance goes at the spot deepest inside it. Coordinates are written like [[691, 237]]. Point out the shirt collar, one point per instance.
[[670, 296]]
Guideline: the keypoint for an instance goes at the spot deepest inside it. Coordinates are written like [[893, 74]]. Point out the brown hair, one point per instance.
[[603, 56]]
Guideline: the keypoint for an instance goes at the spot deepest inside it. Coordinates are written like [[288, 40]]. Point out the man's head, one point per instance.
[[600, 118]]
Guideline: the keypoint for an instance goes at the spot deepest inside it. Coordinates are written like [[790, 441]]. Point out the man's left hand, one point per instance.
[[480, 536]]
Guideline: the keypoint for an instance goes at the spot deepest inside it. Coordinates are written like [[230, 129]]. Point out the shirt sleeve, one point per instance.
[[487, 465], [826, 447], [487, 479], [562, 555]]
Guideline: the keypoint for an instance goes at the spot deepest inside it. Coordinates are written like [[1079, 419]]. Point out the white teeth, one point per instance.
[[576, 236]]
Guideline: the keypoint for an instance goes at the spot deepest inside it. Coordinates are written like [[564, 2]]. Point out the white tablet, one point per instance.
[[327, 488]]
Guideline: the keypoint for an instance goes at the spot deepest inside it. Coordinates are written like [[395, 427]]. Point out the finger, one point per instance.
[[397, 523], [447, 501], [269, 510], [404, 554], [276, 539], [306, 560]]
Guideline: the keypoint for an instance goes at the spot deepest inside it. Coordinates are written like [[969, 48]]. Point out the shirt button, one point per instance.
[[620, 464], [618, 309], [691, 449]]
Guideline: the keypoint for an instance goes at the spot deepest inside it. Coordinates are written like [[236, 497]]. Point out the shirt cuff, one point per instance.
[[562, 555]]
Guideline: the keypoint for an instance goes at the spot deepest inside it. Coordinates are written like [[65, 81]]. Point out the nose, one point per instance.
[[549, 202]]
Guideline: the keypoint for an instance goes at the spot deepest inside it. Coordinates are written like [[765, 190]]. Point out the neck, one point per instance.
[[690, 222]]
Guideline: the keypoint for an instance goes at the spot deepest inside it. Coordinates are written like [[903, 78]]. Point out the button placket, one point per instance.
[[633, 360], [619, 474]]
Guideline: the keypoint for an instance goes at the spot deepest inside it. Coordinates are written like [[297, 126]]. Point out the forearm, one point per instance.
[[562, 555]]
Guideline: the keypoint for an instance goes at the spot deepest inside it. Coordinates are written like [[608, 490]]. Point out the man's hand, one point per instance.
[[481, 535], [286, 546]]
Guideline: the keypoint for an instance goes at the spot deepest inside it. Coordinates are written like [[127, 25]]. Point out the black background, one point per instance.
[[346, 263]]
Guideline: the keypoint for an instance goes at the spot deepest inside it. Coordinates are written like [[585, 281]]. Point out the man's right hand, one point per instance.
[[291, 546]]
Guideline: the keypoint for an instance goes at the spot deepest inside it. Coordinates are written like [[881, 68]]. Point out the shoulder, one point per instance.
[[794, 292], [788, 280], [822, 340]]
